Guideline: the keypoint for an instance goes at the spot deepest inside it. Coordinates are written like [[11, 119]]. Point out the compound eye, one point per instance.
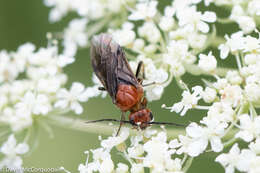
[[151, 116]]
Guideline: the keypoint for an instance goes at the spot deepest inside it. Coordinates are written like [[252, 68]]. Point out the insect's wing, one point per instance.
[[103, 62], [110, 65], [125, 74]]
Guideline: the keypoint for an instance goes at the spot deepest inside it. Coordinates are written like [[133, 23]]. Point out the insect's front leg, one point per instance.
[[141, 77], [101, 88], [121, 122], [140, 68]]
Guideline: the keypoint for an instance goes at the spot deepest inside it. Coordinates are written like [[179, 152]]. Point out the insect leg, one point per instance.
[[121, 122], [140, 68], [144, 103], [148, 84], [101, 88]]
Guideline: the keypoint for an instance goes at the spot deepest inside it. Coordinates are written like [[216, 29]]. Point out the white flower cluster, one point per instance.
[[149, 149], [246, 13], [84, 8], [164, 43], [32, 84], [79, 30], [233, 100], [12, 151], [246, 160]]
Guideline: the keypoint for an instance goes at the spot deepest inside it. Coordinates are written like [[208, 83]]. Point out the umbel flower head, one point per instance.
[[149, 149]]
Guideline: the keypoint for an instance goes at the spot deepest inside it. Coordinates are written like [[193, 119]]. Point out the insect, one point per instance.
[[125, 88]]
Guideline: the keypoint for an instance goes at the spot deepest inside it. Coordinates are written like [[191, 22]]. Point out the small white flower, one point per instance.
[[52, 84], [220, 84], [106, 166], [196, 40], [72, 98], [231, 94], [144, 10], [12, 152], [254, 165], [125, 36], [150, 32], [254, 8], [157, 150], [61, 7], [246, 23], [202, 135], [252, 91], [252, 44], [193, 19], [188, 100], [209, 95], [33, 104], [251, 59], [234, 78], [8, 69], [138, 44], [255, 146], [178, 52], [112, 141], [121, 168], [74, 36], [137, 168], [176, 66], [166, 23], [245, 159], [229, 160], [185, 142], [135, 151], [207, 62], [21, 56], [17, 120], [249, 128], [233, 44], [65, 60], [222, 111]]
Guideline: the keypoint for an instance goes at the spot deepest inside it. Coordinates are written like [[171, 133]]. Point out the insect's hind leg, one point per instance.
[[121, 122]]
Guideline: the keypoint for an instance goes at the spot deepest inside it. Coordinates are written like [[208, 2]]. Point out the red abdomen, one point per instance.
[[127, 96]]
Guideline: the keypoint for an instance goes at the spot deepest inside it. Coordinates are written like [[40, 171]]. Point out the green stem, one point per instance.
[[187, 164], [217, 41], [99, 128], [238, 61], [224, 20], [230, 142]]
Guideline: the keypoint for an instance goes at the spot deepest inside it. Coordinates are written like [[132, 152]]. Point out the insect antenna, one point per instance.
[[167, 123], [114, 120], [124, 121]]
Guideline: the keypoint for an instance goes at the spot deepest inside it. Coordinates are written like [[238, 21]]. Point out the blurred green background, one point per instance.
[[27, 21]]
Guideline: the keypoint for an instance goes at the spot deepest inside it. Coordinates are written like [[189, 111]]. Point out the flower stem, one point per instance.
[[187, 164], [99, 128], [238, 61], [224, 20]]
